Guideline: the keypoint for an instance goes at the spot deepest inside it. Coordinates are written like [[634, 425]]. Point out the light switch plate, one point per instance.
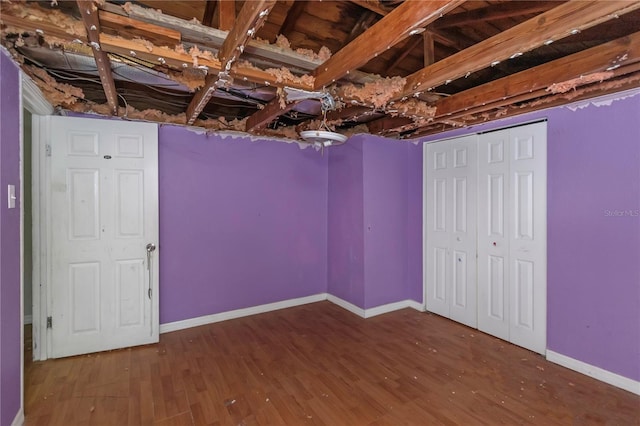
[[11, 196]]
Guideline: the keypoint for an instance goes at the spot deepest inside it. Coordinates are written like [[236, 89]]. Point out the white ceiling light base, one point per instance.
[[323, 138]]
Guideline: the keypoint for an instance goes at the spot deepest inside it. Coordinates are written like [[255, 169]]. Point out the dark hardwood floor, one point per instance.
[[321, 365]]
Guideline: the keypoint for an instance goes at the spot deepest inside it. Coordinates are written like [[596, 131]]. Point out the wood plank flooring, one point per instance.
[[321, 365]]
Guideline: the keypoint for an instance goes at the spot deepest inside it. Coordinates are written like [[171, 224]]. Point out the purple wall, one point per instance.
[[10, 345], [385, 220], [242, 223], [414, 287], [593, 273], [345, 222], [594, 258], [368, 221]]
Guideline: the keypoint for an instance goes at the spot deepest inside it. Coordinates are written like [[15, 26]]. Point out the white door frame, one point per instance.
[[34, 101]]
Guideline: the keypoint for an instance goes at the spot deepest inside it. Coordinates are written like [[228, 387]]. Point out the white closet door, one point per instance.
[[527, 221], [450, 249], [493, 241], [512, 235]]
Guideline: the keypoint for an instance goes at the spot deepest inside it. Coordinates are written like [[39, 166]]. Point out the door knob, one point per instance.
[[152, 247]]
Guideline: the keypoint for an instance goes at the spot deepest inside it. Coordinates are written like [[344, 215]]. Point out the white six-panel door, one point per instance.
[[485, 196], [512, 235], [450, 250], [104, 212]]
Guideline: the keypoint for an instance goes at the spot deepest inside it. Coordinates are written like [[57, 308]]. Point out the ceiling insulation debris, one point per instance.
[[161, 61]]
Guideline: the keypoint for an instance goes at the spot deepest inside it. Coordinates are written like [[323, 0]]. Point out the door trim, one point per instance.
[[41, 236]]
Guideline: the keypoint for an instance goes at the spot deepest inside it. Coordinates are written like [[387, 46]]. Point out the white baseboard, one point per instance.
[[346, 305], [19, 419], [378, 310], [598, 373], [238, 313], [28, 319]]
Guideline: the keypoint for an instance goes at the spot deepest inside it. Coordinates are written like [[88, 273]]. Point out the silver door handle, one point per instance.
[[150, 249]]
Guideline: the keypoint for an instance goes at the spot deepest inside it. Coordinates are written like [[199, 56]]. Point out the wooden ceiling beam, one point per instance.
[[400, 56], [626, 77], [554, 24], [429, 48], [89, 13], [616, 53], [296, 9], [350, 112], [492, 13], [226, 14], [363, 24], [270, 112], [251, 17], [374, 6], [386, 123], [209, 12], [389, 31], [131, 28]]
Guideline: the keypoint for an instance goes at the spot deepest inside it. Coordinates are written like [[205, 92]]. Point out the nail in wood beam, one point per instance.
[[552, 25], [270, 112], [89, 13], [250, 18], [389, 31]]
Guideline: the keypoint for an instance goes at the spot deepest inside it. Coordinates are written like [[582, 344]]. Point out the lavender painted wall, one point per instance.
[[414, 286], [368, 221], [385, 220], [242, 223], [10, 345], [593, 275], [593, 258], [345, 222]]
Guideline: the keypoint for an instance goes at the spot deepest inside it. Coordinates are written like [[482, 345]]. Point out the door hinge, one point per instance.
[[47, 150], [49, 322]]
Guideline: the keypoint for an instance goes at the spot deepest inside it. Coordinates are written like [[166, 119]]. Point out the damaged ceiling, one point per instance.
[[395, 68]]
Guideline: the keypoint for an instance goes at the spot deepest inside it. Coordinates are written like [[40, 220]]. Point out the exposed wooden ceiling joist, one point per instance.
[[132, 28], [293, 15], [89, 13], [613, 54], [625, 78], [397, 60], [270, 112], [552, 25], [374, 6], [492, 13], [250, 18], [226, 14], [387, 32], [380, 125]]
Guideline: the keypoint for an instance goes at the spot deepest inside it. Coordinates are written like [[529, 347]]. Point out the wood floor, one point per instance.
[[321, 365]]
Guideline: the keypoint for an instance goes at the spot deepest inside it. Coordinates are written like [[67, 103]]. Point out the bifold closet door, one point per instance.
[[512, 235], [450, 249]]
